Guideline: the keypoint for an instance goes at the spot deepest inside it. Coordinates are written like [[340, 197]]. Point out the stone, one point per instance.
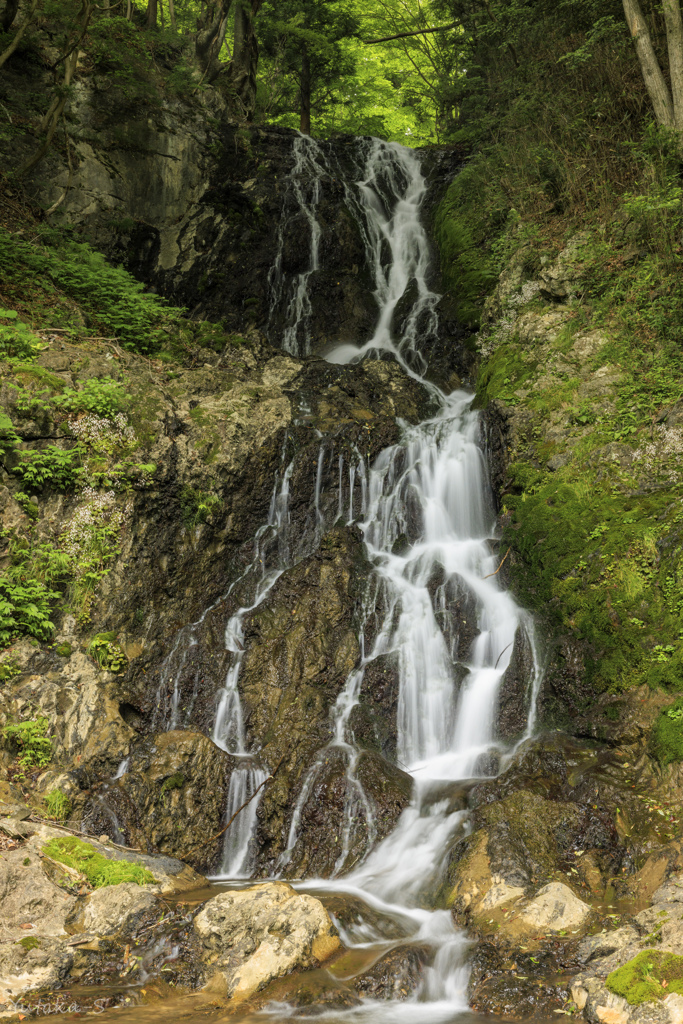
[[396, 975], [115, 910], [250, 937], [28, 895], [555, 908], [499, 894], [46, 966]]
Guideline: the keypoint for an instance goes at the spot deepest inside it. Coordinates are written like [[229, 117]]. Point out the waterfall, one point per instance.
[[433, 489]]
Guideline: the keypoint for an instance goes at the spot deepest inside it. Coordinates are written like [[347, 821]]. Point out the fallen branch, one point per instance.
[[501, 654], [498, 569], [78, 832], [245, 804]]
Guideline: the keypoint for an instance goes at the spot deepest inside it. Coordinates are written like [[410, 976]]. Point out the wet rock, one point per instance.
[[115, 910], [261, 933], [172, 800], [514, 694], [516, 985], [373, 719], [396, 975]]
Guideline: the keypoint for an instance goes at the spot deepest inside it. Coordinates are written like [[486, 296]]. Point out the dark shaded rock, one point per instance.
[[517, 986], [514, 695], [172, 799], [396, 975], [373, 719]]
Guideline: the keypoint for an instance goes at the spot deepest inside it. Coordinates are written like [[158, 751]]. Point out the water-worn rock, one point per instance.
[[261, 933], [28, 896], [115, 910], [396, 975]]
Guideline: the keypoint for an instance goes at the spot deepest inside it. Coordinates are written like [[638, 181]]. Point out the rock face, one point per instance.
[[262, 933], [116, 910]]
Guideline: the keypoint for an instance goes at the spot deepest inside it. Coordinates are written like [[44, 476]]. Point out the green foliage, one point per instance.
[[198, 506], [17, 341], [115, 303], [102, 396], [32, 740], [58, 805], [640, 980], [24, 607], [99, 870], [55, 466], [107, 653]]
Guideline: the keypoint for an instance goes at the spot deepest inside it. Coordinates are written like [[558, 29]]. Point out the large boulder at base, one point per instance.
[[258, 934], [30, 901]]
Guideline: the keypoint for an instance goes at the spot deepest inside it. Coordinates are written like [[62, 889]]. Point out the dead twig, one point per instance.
[[501, 655], [77, 832], [498, 569], [245, 804]]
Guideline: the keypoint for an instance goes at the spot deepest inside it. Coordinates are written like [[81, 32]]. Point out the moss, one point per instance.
[[29, 943], [63, 650], [97, 869], [176, 781], [640, 980], [667, 736]]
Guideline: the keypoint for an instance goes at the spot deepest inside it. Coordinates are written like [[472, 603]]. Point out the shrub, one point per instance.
[[58, 805]]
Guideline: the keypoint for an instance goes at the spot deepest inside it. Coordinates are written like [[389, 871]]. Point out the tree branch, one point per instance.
[[406, 35]]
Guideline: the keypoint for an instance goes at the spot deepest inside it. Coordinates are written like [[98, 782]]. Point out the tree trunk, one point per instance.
[[151, 14], [652, 73], [161, 12], [305, 90], [674, 39], [244, 63], [210, 38], [6, 54], [9, 14], [171, 14]]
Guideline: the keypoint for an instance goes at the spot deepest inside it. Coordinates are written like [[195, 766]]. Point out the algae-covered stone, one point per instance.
[[261, 933], [651, 975]]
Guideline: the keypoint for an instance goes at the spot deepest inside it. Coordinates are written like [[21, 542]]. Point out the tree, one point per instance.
[[666, 97], [305, 37]]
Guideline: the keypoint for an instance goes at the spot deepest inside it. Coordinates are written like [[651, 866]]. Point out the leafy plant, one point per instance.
[[107, 653], [35, 749], [17, 341], [197, 506], [58, 805], [58, 467], [24, 607]]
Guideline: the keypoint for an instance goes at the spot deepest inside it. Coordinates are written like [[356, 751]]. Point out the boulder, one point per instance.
[[25, 967], [555, 909], [28, 897], [249, 938], [396, 975], [115, 910]]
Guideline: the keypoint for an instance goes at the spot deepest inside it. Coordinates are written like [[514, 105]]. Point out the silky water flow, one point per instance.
[[425, 514], [432, 489]]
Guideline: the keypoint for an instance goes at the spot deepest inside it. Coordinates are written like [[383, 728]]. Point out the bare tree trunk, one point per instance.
[[674, 39], [652, 73], [161, 12], [6, 54], [129, 10], [171, 14], [151, 14], [305, 91]]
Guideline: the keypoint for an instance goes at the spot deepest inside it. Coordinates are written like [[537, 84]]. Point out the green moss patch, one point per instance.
[[29, 943], [667, 735], [176, 781], [650, 975], [97, 869]]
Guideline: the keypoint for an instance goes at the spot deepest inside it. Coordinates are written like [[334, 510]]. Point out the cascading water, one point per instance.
[[429, 497]]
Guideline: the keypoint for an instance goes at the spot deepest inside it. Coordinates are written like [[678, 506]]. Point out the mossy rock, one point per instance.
[[97, 869], [650, 975]]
